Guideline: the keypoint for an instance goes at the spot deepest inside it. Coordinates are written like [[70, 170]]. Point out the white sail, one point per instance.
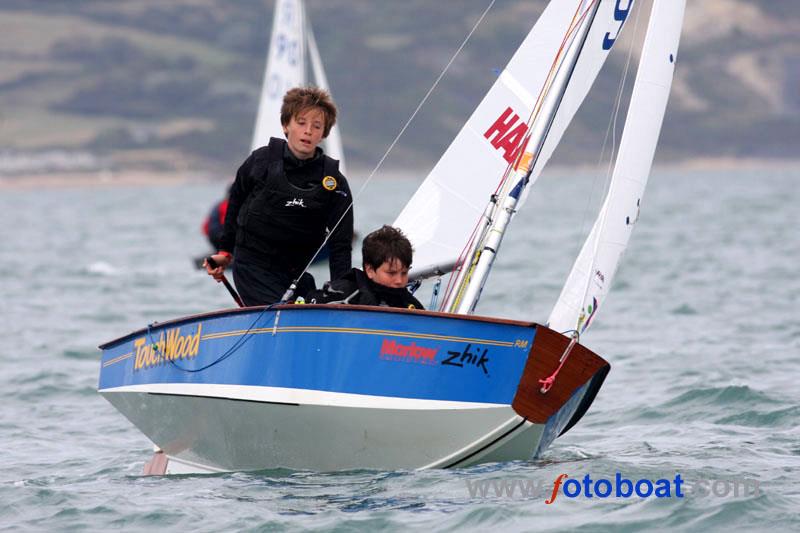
[[441, 216], [285, 69], [591, 276], [333, 143]]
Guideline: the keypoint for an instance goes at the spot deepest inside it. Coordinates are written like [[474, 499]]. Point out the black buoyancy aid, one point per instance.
[[279, 214], [356, 288]]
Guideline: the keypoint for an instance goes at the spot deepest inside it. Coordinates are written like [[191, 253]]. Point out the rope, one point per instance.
[[547, 383], [244, 337], [577, 18]]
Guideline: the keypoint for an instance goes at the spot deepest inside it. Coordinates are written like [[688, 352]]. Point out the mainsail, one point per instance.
[[441, 216], [291, 38], [591, 276]]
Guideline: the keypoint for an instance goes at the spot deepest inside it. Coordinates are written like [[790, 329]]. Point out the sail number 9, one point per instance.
[[620, 14]]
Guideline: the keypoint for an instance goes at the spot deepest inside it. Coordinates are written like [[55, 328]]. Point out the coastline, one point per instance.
[[103, 178], [133, 177]]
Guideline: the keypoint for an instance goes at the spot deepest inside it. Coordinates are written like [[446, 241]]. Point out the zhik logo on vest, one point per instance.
[[296, 202]]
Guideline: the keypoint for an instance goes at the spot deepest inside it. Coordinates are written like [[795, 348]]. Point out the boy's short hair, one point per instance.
[[385, 244], [301, 98]]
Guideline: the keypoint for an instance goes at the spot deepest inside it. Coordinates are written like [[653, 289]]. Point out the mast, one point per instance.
[[471, 280], [444, 215]]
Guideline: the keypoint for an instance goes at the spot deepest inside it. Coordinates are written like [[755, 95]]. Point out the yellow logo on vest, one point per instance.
[[168, 347], [329, 182]]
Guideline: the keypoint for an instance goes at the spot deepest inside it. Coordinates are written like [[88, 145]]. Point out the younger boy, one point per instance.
[[386, 257]]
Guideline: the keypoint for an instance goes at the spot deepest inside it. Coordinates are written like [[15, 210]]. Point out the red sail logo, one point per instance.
[[409, 353], [507, 134]]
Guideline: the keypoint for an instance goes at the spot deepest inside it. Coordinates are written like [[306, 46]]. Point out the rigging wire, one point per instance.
[[611, 131], [618, 104], [402, 130], [245, 336], [577, 18]]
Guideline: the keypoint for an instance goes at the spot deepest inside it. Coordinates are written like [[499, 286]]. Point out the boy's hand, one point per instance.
[[216, 264]]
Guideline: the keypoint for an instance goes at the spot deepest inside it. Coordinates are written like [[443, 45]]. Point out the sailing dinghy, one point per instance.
[[345, 387]]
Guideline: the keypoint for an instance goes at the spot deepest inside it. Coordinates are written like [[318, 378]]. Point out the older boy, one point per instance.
[[386, 256], [285, 199]]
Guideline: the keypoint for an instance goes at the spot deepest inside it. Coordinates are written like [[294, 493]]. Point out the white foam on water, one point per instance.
[[103, 269]]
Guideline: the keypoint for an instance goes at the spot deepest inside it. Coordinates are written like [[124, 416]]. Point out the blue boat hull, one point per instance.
[[342, 387]]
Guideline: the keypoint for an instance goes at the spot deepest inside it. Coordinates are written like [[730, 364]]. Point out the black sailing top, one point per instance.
[[280, 209]]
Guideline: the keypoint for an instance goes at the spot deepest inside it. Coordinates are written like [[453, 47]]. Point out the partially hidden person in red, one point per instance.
[[214, 224]]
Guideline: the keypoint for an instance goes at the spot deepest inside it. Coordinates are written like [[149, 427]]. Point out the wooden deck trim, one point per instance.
[[543, 359]]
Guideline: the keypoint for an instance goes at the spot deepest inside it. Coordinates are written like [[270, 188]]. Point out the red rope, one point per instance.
[[548, 382]]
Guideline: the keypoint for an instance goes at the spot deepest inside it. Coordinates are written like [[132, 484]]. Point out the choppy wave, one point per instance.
[[702, 336]]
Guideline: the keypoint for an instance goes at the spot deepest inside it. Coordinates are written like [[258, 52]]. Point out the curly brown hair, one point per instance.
[[298, 99]]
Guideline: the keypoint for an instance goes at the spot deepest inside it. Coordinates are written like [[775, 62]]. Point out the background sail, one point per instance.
[[591, 276], [285, 69], [441, 215]]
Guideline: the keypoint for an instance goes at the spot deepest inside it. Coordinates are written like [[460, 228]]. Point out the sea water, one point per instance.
[[702, 330]]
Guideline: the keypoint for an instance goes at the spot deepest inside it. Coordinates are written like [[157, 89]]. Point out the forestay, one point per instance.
[[442, 214], [591, 276]]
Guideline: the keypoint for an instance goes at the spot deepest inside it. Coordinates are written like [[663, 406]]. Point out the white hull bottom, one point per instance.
[[218, 434]]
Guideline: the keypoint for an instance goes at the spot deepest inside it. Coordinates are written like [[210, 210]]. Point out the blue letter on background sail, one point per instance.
[[620, 14]]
